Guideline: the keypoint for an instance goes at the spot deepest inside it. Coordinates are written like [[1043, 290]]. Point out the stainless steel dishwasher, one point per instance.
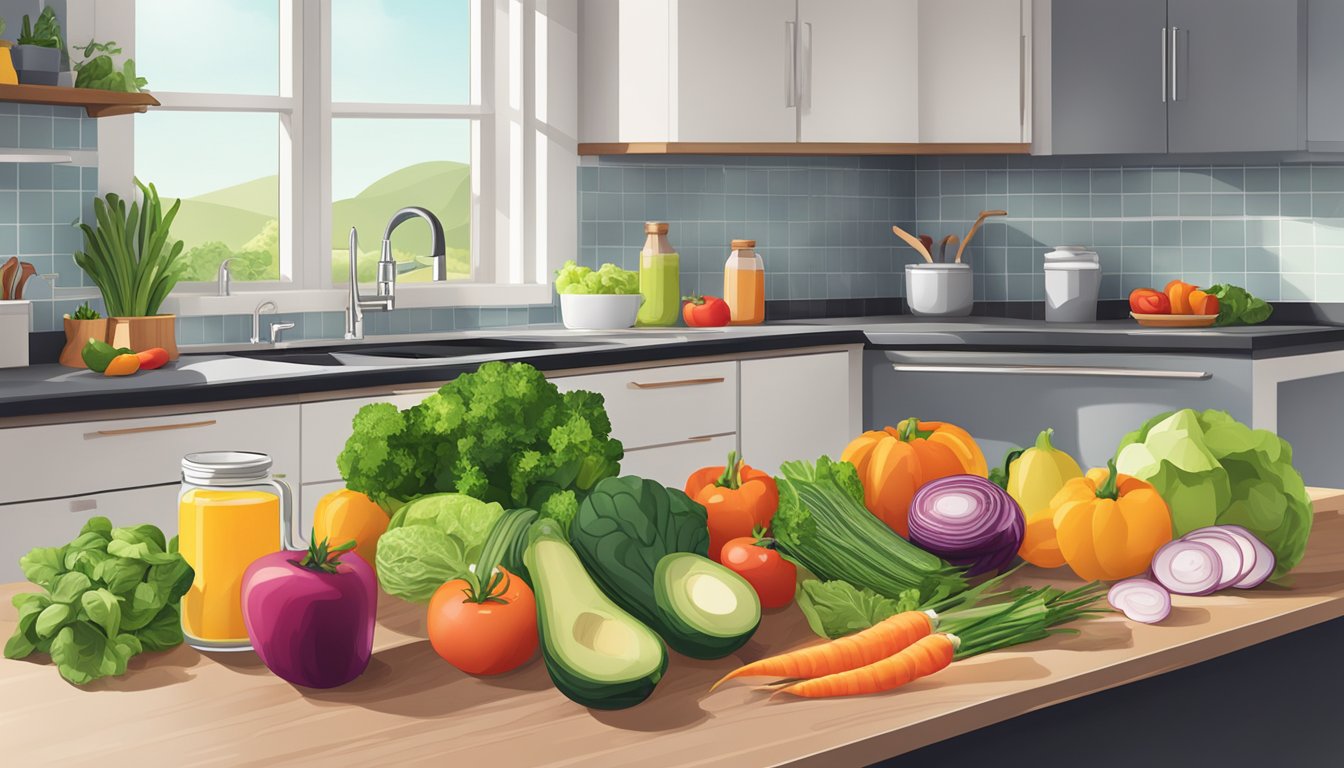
[[1091, 400]]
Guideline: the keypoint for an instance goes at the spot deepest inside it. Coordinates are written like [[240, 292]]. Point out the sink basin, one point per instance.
[[407, 352]]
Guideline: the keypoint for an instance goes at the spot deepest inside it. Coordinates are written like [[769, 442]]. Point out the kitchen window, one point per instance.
[[286, 122]]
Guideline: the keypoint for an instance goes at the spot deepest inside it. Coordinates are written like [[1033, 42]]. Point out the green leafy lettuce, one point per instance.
[[109, 595], [1212, 469], [432, 540], [608, 279], [1236, 306], [501, 434], [837, 608]]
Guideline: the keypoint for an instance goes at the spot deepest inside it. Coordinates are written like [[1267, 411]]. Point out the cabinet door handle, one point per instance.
[[1021, 81], [790, 64], [1175, 61], [1054, 370], [154, 428], [1164, 65], [678, 383], [687, 441], [805, 79], [399, 392]]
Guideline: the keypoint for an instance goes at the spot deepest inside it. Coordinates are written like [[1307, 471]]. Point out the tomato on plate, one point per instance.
[[1178, 292], [756, 560], [1202, 303], [485, 631], [1146, 301]]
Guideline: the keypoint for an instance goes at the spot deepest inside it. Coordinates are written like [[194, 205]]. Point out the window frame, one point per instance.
[[521, 187]]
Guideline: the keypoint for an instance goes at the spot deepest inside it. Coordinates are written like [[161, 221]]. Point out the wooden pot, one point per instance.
[[141, 333], [77, 333]]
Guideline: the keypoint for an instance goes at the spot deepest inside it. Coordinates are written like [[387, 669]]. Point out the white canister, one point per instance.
[[938, 290], [15, 320], [1072, 284]]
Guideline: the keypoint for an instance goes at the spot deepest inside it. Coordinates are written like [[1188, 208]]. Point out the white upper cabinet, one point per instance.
[[858, 70], [973, 77], [812, 71]]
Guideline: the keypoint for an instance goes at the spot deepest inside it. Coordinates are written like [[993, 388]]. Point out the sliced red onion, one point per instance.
[[967, 520], [1264, 558], [1187, 567], [1141, 600], [1234, 564]]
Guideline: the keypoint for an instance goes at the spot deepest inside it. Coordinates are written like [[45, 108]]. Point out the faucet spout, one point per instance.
[[386, 297], [437, 247]]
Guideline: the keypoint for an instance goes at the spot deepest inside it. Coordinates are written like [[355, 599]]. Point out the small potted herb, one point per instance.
[[37, 57], [85, 324], [8, 75], [135, 263]]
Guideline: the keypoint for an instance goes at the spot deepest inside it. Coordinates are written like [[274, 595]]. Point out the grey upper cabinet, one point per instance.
[[1238, 72], [1325, 75], [1179, 76], [1106, 77]]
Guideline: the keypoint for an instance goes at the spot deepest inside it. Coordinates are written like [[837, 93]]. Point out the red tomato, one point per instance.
[[485, 638], [1146, 301], [705, 311], [769, 574]]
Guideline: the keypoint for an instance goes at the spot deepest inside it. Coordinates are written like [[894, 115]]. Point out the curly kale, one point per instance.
[[502, 434]]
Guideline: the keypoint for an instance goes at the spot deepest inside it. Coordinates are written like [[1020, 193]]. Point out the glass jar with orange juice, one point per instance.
[[744, 284], [230, 512]]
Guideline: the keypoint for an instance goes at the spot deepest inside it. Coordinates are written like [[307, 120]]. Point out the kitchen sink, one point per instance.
[[372, 354]]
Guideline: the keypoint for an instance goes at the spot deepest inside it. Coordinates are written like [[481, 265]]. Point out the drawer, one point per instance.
[[326, 427], [656, 406], [55, 522], [672, 464], [89, 457]]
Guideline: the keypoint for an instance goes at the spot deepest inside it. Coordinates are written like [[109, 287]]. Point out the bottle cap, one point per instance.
[[655, 227], [738, 245]]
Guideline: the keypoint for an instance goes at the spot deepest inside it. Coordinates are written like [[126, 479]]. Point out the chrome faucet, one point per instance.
[[385, 298], [224, 277], [256, 320]]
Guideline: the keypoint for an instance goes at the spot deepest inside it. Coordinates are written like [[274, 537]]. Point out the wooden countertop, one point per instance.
[[410, 707]]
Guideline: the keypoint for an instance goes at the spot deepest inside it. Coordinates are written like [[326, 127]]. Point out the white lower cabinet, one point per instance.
[[54, 522], [672, 464], [797, 407]]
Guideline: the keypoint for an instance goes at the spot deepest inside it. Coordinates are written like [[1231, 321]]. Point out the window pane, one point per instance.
[[401, 51], [209, 46], [380, 166], [224, 167]]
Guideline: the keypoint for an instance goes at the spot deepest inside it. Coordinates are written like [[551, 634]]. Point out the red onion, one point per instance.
[[1141, 600], [1264, 558], [967, 520], [1187, 567], [1235, 565]]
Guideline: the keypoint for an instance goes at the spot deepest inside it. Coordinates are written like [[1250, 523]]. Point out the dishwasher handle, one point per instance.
[[1054, 370]]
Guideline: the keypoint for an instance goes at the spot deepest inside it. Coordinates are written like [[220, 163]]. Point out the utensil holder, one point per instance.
[[939, 290]]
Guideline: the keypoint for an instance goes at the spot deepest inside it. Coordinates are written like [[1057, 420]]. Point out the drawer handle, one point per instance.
[[414, 391], [1056, 370], [155, 428], [687, 441], [679, 383]]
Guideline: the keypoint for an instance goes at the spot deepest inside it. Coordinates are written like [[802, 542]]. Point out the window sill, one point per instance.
[[414, 296]]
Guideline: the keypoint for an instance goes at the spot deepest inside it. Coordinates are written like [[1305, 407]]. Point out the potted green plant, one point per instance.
[[8, 75], [37, 57], [101, 72], [135, 263]]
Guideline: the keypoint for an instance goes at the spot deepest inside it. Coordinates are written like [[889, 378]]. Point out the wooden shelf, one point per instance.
[[786, 148], [96, 103]]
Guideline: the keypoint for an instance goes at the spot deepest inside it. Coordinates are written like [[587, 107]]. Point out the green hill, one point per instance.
[[200, 222], [258, 196]]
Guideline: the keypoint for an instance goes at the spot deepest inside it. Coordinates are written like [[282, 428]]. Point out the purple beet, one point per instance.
[[310, 615]]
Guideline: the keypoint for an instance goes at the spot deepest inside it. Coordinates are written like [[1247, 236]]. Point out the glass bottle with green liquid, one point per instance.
[[659, 278]]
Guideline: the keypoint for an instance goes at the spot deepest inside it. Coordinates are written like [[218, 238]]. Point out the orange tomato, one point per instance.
[[344, 515], [490, 637], [1202, 303]]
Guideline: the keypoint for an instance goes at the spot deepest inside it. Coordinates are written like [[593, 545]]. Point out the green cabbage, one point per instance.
[[1212, 469], [414, 562], [464, 517]]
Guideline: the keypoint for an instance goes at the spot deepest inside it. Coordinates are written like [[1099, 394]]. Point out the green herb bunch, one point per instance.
[[102, 73], [45, 34], [131, 256], [109, 595]]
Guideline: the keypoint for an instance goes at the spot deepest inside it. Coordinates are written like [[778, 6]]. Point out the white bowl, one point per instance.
[[938, 290], [599, 312]]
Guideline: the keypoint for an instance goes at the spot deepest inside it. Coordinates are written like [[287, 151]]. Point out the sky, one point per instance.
[[414, 51]]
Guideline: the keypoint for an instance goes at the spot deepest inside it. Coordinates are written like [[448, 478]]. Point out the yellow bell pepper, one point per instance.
[[1034, 476]]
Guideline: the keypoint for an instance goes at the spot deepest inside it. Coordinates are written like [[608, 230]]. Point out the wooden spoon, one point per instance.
[[978, 221], [913, 242], [942, 247]]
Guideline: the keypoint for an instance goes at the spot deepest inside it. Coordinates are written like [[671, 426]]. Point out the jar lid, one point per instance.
[[655, 227], [225, 466], [738, 245]]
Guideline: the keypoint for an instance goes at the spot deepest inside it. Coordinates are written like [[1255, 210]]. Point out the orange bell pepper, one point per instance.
[[1202, 303], [1179, 293], [1109, 525], [738, 498]]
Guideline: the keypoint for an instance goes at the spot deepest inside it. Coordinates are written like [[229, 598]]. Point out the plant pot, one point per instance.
[[141, 333], [37, 65], [8, 75], [77, 333]]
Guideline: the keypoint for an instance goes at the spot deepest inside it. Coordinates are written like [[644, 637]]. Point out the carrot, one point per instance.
[[877, 642], [929, 654]]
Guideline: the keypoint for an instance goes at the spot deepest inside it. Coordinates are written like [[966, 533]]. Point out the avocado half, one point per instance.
[[597, 654], [708, 610]]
